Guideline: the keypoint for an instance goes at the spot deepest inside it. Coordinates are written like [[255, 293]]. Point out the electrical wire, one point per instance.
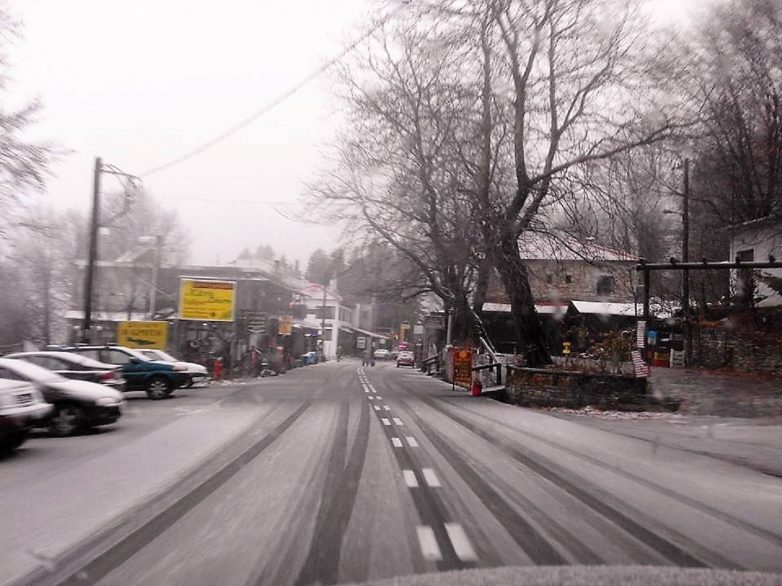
[[278, 100]]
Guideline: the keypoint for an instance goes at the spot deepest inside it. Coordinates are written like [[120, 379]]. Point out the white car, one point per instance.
[[21, 407], [193, 371]]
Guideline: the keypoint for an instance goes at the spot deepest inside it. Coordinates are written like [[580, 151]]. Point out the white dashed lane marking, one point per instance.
[[431, 478], [387, 408], [371, 398], [410, 480], [426, 539], [461, 543], [377, 407], [385, 421], [411, 441], [397, 442], [398, 421]]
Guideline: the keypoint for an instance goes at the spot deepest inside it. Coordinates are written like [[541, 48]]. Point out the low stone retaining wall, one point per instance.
[[533, 387]]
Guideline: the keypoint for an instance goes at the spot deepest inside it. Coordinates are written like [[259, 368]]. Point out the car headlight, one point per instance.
[[180, 367], [106, 401]]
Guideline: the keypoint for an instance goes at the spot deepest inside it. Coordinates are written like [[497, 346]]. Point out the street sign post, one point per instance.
[[462, 366], [207, 300], [286, 326], [143, 334]]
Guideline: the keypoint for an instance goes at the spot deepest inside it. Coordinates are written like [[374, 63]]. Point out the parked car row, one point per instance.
[[77, 387]]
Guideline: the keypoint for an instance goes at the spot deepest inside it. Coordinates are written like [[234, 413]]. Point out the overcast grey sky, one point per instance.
[[141, 82]]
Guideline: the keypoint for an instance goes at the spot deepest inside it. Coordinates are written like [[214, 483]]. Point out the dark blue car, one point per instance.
[[157, 379]]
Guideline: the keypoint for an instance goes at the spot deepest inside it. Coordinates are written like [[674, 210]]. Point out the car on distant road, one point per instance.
[[77, 404], [76, 367], [157, 379], [382, 354], [195, 372], [21, 406], [405, 358]]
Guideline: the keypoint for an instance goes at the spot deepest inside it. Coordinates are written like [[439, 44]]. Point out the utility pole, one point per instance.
[[323, 316], [686, 258], [92, 255]]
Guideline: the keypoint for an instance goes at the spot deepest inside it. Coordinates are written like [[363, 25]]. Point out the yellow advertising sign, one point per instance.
[[286, 326], [143, 334], [206, 300]]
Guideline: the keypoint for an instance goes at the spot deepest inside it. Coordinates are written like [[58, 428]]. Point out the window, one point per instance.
[[94, 354], [549, 278], [746, 255], [329, 312], [7, 374], [115, 357], [568, 279], [606, 285]]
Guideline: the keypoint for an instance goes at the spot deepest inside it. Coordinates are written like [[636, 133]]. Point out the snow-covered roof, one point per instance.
[[561, 246]]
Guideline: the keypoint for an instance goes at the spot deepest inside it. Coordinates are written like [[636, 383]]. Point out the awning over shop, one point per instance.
[[606, 308], [371, 334], [109, 316], [543, 309], [305, 324]]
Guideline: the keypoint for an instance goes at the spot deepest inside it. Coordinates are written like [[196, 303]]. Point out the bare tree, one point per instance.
[[23, 163], [396, 176], [735, 82]]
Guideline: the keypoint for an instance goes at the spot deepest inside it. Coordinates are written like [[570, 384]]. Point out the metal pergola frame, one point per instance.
[[674, 265]]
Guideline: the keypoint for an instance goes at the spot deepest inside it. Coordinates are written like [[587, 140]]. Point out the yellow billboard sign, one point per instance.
[[286, 326], [207, 300], [143, 334]]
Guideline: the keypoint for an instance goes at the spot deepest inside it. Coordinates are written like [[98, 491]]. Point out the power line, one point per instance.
[[278, 100]]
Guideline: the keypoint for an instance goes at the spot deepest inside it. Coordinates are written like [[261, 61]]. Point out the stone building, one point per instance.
[[758, 240]]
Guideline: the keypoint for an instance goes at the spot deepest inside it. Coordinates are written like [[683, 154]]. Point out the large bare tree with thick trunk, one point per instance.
[[470, 120]]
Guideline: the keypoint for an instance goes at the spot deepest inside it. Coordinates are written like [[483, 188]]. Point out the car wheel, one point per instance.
[[14, 440], [67, 420], [158, 388], [189, 383], [397, 365]]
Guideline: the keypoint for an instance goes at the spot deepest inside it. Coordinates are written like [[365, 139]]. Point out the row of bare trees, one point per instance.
[[471, 123]]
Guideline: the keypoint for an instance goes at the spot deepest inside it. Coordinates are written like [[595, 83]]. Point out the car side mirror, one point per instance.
[[134, 360]]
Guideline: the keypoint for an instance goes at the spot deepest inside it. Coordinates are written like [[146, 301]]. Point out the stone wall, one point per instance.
[[732, 348], [531, 387]]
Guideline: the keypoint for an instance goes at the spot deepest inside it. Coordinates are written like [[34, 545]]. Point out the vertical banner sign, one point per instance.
[[143, 334], [640, 334], [640, 368], [207, 300], [286, 326], [462, 366], [361, 342]]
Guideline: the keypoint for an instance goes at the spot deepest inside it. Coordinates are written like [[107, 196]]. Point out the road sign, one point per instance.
[[640, 334], [361, 342], [206, 300], [639, 366], [143, 334], [462, 366], [566, 348], [286, 326]]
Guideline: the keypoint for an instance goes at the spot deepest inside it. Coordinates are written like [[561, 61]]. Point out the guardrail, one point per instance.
[[427, 363], [497, 367]]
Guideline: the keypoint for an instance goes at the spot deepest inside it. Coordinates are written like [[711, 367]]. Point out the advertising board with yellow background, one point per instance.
[[286, 326], [207, 300], [143, 334]]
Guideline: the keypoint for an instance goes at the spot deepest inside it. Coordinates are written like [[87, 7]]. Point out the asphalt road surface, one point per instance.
[[352, 474]]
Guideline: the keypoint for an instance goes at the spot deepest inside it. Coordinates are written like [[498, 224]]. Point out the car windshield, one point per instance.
[[390, 288], [30, 371]]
